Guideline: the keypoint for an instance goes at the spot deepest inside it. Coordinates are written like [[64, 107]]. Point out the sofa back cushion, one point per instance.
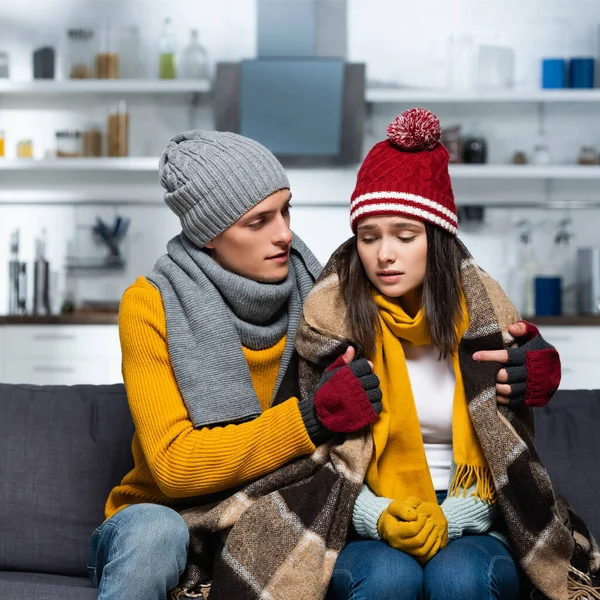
[[62, 449], [568, 441]]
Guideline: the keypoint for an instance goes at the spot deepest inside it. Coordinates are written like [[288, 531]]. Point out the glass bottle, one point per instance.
[[1, 143], [167, 50], [194, 59], [130, 64]]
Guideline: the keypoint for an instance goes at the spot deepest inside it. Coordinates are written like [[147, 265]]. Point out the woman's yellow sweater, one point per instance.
[[173, 462]]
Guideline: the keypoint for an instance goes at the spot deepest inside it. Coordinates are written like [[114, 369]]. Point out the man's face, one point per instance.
[[258, 245]]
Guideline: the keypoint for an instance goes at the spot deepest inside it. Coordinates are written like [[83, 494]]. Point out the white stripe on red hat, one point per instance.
[[440, 208], [395, 208], [435, 214]]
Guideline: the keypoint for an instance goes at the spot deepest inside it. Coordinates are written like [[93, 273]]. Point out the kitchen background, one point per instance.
[[483, 67]]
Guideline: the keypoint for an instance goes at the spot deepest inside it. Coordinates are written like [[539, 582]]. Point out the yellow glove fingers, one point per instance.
[[402, 511], [428, 508], [413, 501], [430, 547], [420, 538], [392, 528]]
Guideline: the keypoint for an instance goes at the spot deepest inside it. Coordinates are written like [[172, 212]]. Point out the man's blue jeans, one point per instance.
[[139, 553], [477, 567]]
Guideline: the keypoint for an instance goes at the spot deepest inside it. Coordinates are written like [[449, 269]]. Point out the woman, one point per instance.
[[446, 463]]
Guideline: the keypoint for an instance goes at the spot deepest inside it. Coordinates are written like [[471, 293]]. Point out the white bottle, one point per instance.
[[531, 268], [194, 59]]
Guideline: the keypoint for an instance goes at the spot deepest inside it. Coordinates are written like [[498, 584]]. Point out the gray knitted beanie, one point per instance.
[[212, 178]]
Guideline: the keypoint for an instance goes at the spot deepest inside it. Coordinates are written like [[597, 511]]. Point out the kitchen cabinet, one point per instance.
[[60, 354], [579, 349]]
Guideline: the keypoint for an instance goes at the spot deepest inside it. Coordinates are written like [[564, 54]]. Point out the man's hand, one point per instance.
[[532, 372], [346, 399]]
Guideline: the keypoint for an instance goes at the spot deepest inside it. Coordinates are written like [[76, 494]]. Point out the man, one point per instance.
[[207, 340], [209, 362]]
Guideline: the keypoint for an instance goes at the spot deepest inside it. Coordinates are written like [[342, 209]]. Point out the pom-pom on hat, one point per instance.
[[407, 174]]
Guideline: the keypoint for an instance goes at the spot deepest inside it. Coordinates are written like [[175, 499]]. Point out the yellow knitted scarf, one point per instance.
[[398, 468]]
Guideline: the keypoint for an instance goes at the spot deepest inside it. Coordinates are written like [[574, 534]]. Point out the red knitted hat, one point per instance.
[[407, 174]]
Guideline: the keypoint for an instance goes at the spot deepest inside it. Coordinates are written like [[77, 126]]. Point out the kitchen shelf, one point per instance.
[[390, 95], [130, 163], [105, 86], [94, 265], [530, 172], [340, 174]]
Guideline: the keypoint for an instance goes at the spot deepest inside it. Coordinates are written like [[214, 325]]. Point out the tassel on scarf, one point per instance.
[[181, 594], [580, 586], [467, 475]]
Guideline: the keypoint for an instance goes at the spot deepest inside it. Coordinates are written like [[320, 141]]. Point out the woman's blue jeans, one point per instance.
[[475, 567], [139, 553]]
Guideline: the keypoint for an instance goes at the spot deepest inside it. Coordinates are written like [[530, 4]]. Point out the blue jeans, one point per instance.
[[139, 553], [477, 567]]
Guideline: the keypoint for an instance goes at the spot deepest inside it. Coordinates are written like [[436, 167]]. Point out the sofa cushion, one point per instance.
[[63, 449], [568, 441], [35, 586]]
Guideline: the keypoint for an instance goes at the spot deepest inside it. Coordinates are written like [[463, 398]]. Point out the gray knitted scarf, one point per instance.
[[211, 313]]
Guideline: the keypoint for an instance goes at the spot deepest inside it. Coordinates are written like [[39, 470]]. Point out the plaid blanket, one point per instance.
[[554, 547], [279, 537]]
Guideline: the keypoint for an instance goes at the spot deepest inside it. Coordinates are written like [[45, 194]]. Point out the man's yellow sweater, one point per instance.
[[174, 463]]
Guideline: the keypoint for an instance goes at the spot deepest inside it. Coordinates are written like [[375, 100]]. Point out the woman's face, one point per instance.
[[393, 251]]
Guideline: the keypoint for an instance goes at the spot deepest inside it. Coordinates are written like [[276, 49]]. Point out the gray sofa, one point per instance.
[[63, 448]]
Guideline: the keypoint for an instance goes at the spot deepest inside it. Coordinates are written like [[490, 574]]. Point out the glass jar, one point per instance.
[[118, 131], [43, 62], [519, 158], [4, 65], [541, 154], [475, 151], [81, 53], [92, 142], [106, 58], [25, 149], [588, 156], [107, 65], [68, 144], [452, 142]]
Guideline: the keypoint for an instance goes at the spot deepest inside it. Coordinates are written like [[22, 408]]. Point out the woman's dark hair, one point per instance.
[[441, 293]]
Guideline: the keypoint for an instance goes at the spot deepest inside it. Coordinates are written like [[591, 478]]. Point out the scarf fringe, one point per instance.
[[466, 476], [580, 586], [182, 593]]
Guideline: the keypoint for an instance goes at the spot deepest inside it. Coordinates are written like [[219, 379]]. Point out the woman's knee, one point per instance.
[[372, 569], [472, 567]]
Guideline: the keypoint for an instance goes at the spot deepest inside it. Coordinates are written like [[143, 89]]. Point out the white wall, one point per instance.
[[402, 41]]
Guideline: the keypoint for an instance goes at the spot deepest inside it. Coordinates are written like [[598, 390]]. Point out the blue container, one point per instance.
[[548, 296], [554, 73], [581, 73]]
